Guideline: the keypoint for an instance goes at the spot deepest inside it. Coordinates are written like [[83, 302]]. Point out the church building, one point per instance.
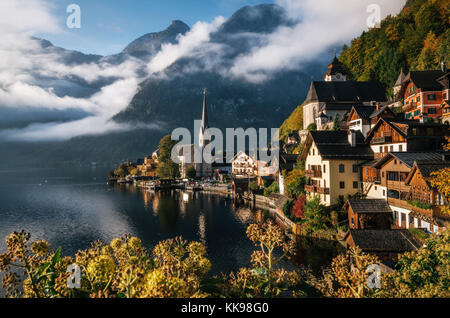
[[335, 96]]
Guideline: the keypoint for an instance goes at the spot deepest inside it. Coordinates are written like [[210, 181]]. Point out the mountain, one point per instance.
[[416, 39], [150, 44], [173, 98]]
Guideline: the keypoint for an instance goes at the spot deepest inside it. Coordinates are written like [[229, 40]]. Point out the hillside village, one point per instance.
[[363, 172], [365, 157]]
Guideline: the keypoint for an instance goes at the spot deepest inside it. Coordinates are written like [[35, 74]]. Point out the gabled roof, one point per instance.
[[363, 112], [381, 110], [400, 79], [426, 167], [390, 123], [408, 158], [368, 206], [348, 91], [425, 80], [334, 145], [397, 241]]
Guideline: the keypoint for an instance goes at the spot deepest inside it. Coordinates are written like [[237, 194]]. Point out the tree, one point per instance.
[[421, 274], [273, 188], [315, 215], [349, 275], [428, 58], [312, 127], [441, 180], [191, 173], [299, 207], [167, 168], [336, 123], [295, 182]]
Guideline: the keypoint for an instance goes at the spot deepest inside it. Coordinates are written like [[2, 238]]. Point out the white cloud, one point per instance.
[[322, 24], [24, 64], [188, 44], [30, 16]]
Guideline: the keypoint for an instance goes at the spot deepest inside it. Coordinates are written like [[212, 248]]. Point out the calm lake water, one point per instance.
[[71, 208]]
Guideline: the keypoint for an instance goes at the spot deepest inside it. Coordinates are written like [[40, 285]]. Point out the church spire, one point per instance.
[[205, 113], [203, 138]]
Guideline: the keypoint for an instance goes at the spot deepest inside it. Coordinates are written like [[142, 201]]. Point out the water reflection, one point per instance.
[[75, 207]]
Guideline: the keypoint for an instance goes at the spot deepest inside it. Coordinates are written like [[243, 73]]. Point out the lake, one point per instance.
[[73, 207]]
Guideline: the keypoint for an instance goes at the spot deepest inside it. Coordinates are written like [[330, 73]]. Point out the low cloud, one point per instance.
[[322, 24], [34, 77], [30, 75], [187, 45]]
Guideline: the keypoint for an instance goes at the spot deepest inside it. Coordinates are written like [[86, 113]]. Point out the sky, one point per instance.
[[31, 76], [109, 25]]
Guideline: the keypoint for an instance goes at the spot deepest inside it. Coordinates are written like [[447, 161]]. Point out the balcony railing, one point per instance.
[[313, 173], [409, 106], [323, 190], [310, 188], [381, 140], [435, 211]]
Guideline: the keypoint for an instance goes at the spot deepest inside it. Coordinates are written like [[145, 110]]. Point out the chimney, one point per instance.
[[443, 67], [352, 138]]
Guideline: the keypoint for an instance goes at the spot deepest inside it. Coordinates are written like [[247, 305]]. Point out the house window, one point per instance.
[[391, 148], [400, 148], [432, 97], [355, 184], [324, 169], [342, 185], [341, 168], [355, 168], [381, 149], [431, 110]]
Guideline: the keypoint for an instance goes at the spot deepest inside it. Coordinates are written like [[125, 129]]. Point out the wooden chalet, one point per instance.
[[426, 201], [405, 135]]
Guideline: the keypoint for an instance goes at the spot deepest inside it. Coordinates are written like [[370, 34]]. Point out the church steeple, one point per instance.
[[203, 138], [336, 71]]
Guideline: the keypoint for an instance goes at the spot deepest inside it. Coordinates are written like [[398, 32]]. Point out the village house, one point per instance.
[[394, 135], [335, 96], [243, 165], [426, 202], [387, 244], [368, 214], [422, 93], [446, 112], [332, 160], [363, 118], [385, 177], [148, 168]]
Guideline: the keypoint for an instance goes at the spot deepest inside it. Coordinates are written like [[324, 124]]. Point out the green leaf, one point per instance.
[[57, 257]]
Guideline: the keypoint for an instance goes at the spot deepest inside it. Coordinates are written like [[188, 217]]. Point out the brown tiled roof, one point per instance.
[[396, 241], [369, 206]]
